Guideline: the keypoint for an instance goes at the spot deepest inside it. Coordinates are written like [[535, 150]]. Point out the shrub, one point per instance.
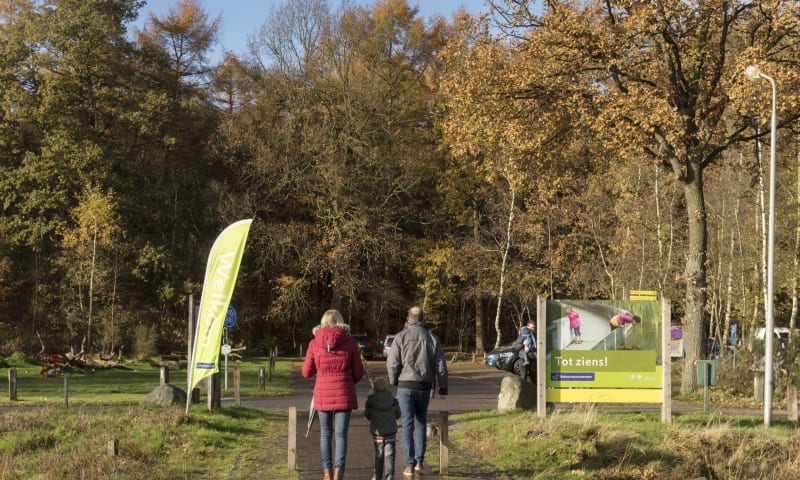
[[144, 345], [16, 359]]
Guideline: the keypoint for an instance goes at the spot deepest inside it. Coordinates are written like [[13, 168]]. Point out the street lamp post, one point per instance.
[[755, 74]]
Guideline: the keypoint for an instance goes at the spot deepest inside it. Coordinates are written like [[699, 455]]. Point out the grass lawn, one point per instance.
[[128, 384], [44, 440], [586, 443], [51, 443]]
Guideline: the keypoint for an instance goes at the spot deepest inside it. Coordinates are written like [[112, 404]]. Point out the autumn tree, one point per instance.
[[186, 35], [231, 85], [381, 61], [89, 251], [645, 81], [10, 10], [483, 127]]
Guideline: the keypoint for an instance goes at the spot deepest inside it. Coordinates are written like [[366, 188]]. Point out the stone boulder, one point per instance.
[[514, 393], [164, 396]]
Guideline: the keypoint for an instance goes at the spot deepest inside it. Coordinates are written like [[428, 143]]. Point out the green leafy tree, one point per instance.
[[82, 105], [174, 51], [67, 97], [89, 251]]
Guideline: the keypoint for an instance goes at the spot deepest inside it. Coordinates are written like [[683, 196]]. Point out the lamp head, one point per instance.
[[753, 73]]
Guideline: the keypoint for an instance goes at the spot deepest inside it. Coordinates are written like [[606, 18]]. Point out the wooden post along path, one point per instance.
[[444, 444], [12, 383], [292, 438], [237, 395], [262, 375]]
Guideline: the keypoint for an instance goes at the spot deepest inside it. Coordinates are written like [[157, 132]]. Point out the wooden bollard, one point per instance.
[[444, 444], [112, 448], [758, 388], [214, 400], [272, 359], [237, 397], [164, 378], [791, 403], [262, 378], [293, 438], [66, 393], [12, 383]]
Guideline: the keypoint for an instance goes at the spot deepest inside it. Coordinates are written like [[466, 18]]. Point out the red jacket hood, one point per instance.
[[333, 357], [331, 338]]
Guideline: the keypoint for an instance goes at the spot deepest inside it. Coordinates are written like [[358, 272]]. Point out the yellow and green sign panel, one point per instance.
[[604, 351]]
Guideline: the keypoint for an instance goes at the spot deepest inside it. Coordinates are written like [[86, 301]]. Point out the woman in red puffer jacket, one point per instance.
[[334, 358]]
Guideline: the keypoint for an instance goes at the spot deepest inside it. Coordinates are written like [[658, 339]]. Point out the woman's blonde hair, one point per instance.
[[331, 318]]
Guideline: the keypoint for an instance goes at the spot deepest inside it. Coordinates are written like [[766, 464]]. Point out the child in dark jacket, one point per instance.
[[382, 411]]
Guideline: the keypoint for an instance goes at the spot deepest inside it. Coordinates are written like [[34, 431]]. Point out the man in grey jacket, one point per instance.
[[415, 362]]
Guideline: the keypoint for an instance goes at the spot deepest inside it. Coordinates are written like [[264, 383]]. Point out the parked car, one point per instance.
[[365, 345], [387, 344], [505, 358]]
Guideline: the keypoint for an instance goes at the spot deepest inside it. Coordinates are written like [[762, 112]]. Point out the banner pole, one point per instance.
[[190, 367]]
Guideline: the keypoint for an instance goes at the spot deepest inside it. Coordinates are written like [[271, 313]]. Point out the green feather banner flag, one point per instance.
[[221, 271]]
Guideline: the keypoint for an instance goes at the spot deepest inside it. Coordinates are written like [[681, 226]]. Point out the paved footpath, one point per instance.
[[360, 452], [476, 385]]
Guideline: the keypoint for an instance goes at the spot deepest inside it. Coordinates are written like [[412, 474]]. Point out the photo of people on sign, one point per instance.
[[604, 344]]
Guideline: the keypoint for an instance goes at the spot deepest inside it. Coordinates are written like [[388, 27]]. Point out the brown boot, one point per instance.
[[338, 474], [326, 474]]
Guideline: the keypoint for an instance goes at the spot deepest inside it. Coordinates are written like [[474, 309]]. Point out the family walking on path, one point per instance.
[[415, 366]]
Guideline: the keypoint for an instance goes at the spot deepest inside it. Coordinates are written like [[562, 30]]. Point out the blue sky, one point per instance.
[[241, 18]]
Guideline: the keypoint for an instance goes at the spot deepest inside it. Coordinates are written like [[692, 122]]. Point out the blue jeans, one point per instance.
[[414, 417], [384, 458], [328, 421]]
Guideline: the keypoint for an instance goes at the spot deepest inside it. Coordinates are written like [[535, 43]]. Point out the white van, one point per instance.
[[781, 334]]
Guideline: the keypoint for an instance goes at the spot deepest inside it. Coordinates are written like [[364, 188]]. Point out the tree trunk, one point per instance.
[[611, 286], [726, 327], [506, 249], [796, 259], [695, 273], [91, 288], [479, 348]]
